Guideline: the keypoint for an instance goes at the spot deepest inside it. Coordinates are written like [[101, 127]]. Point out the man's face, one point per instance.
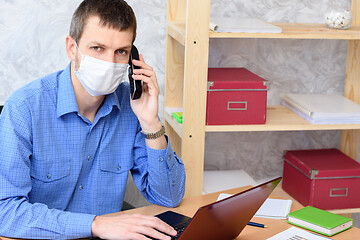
[[104, 43]]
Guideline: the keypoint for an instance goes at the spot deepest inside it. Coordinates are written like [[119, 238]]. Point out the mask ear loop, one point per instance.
[[81, 55], [77, 47]]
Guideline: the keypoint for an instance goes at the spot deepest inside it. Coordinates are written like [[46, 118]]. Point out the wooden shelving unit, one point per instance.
[[187, 57]]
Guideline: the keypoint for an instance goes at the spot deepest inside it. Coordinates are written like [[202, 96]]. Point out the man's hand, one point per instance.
[[146, 107], [134, 227]]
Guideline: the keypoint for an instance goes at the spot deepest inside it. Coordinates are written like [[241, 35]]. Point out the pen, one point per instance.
[[256, 224]]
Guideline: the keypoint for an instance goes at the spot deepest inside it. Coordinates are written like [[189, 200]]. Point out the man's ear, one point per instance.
[[70, 48]]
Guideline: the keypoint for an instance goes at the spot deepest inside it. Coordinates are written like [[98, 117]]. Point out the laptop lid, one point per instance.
[[225, 219]]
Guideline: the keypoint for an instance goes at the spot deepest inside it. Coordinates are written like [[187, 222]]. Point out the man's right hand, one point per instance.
[[134, 226]]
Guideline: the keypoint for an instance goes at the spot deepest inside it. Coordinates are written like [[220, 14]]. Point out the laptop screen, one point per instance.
[[225, 219]]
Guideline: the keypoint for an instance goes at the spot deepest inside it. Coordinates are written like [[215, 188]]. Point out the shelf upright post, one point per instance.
[[174, 69], [349, 143], [195, 86]]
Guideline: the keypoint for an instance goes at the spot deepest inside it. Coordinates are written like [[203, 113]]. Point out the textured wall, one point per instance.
[[32, 44]]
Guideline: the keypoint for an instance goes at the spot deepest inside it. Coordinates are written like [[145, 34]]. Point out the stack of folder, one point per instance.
[[322, 108]]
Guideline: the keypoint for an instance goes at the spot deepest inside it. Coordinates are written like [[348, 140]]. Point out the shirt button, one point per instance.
[[119, 167], [161, 159], [173, 183], [48, 176], [89, 157], [168, 157], [81, 187]]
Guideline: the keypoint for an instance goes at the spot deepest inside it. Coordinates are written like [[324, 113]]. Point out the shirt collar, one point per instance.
[[110, 101], [66, 101]]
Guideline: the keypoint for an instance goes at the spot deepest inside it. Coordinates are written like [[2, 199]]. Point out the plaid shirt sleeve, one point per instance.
[[163, 182]]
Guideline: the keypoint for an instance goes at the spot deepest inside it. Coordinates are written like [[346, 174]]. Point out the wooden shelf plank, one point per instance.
[[279, 118], [176, 29], [298, 31]]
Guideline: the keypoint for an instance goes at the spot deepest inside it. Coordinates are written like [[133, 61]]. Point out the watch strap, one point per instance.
[[154, 135]]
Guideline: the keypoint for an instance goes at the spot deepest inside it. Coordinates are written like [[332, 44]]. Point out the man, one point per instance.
[[68, 140]]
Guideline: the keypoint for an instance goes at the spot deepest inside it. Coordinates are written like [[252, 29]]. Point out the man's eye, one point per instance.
[[122, 52], [95, 48]]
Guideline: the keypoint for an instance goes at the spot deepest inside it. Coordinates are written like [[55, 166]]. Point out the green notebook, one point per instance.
[[319, 221]]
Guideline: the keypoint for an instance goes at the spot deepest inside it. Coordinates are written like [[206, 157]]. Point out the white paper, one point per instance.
[[296, 233], [329, 120], [242, 24], [322, 108], [271, 208], [223, 196], [274, 208]]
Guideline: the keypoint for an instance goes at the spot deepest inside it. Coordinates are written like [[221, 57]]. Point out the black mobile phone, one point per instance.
[[135, 85]]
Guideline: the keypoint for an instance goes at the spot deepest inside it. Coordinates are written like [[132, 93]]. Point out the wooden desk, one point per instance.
[[188, 207]]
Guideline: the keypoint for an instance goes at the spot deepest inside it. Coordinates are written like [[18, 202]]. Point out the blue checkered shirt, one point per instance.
[[58, 170]]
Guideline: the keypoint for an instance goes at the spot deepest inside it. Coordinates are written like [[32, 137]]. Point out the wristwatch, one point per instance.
[[154, 135]]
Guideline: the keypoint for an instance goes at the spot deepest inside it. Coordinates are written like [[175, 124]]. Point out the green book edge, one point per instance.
[[327, 219], [329, 235]]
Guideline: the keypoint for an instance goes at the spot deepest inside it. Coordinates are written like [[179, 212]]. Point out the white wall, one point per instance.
[[32, 44]]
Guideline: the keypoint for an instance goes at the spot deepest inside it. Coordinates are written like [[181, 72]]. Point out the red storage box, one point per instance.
[[322, 178], [235, 96]]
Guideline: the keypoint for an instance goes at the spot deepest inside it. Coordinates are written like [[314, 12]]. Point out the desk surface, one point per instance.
[[188, 206]]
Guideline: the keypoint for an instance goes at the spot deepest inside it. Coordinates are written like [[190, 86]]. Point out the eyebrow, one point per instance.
[[104, 46], [96, 43]]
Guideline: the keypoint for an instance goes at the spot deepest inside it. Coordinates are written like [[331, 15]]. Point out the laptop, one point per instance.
[[223, 219]]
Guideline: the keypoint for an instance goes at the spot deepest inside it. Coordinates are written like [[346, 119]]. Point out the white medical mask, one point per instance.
[[100, 77]]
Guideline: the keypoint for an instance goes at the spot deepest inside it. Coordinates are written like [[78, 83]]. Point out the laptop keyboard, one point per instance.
[[180, 229], [178, 221]]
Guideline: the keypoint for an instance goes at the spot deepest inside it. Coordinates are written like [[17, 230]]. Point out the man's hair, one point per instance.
[[115, 14]]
